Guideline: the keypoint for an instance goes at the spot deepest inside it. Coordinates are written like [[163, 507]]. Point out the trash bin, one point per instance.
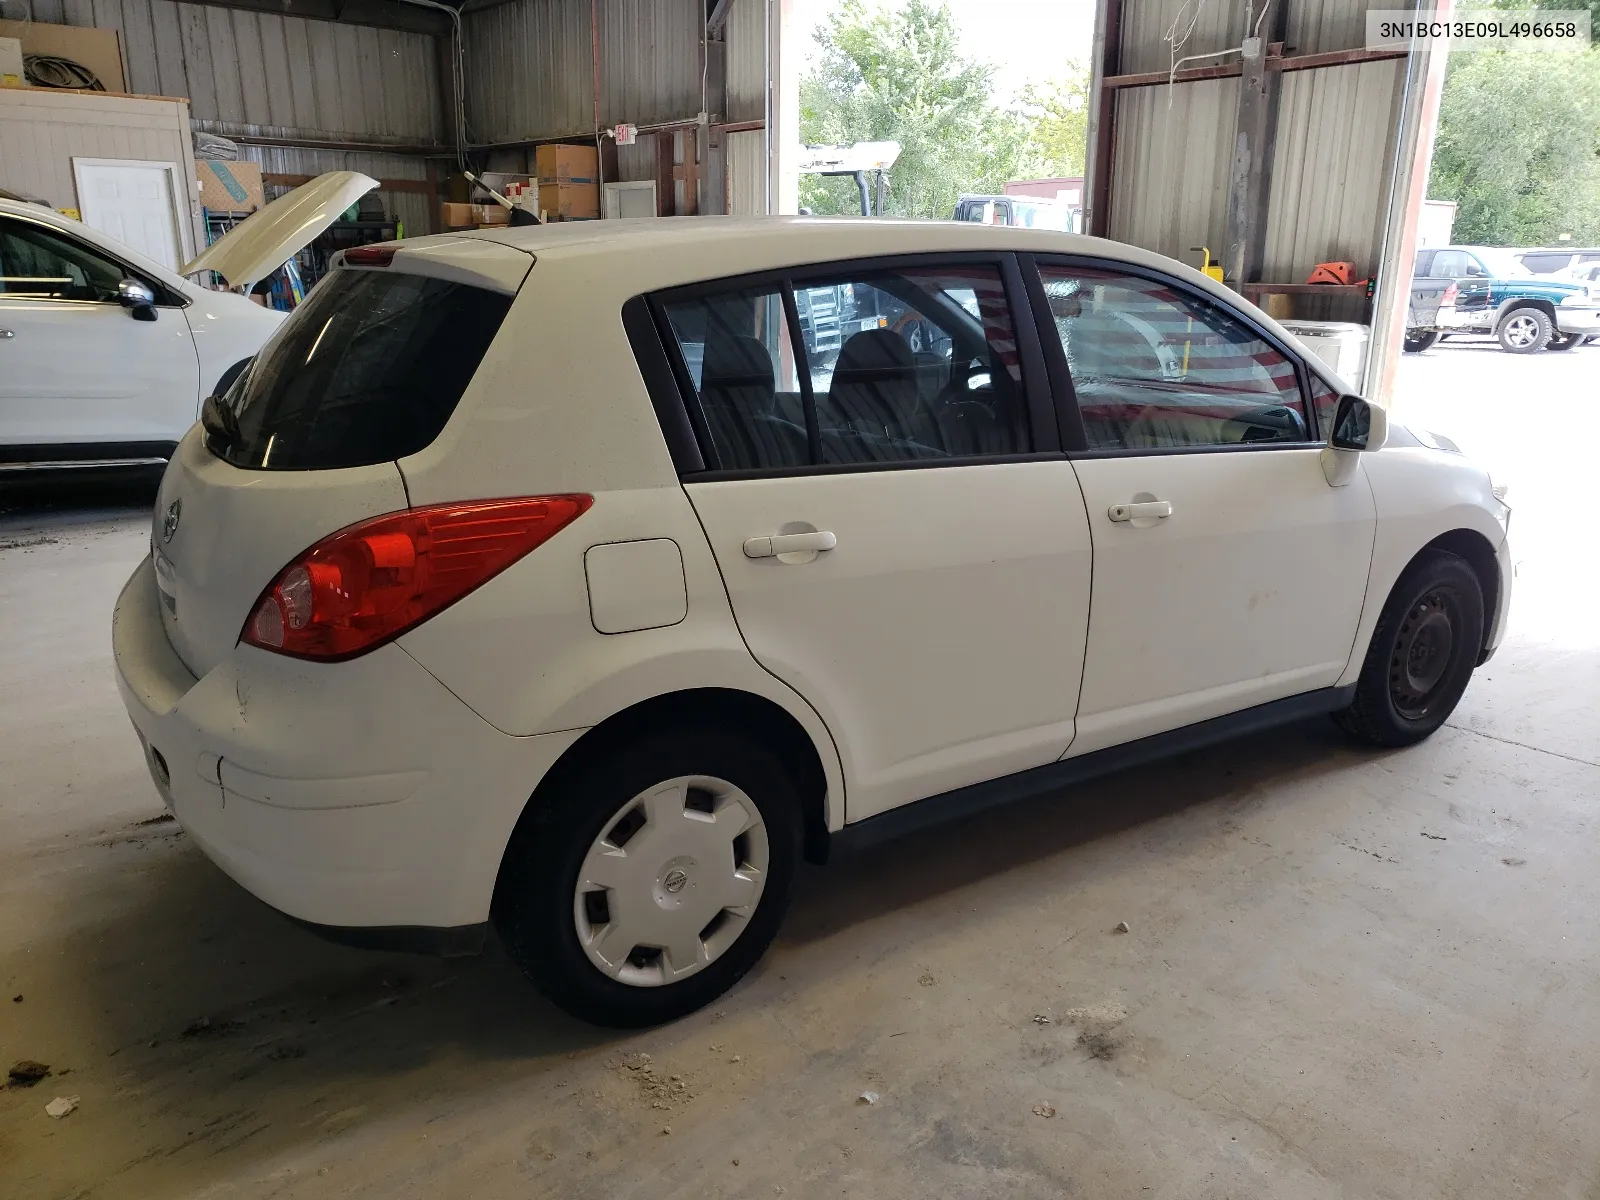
[[1342, 345]]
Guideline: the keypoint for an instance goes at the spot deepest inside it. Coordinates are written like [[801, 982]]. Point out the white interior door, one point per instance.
[[132, 201]]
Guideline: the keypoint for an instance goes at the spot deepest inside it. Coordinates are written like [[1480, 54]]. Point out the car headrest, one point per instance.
[[735, 360], [874, 353]]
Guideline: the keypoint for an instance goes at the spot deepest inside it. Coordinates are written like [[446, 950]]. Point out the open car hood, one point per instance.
[[267, 239]]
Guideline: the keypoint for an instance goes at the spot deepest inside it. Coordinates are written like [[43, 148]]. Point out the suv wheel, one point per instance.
[[1525, 331], [653, 876], [1422, 654], [1565, 341], [1418, 340]]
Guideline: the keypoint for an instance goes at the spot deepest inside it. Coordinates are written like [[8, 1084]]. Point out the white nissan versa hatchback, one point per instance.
[[584, 579]]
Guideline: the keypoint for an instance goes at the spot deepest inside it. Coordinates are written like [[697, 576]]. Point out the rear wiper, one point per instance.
[[221, 425]]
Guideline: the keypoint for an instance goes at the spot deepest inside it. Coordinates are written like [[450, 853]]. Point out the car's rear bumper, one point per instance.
[[362, 796]]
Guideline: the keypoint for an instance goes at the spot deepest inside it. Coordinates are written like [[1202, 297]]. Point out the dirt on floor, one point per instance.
[[1285, 967]]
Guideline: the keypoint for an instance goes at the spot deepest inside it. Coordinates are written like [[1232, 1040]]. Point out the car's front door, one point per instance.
[[901, 539], [79, 376], [1227, 572]]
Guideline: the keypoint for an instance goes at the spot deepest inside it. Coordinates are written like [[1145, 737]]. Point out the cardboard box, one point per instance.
[[569, 201], [566, 164], [470, 216], [11, 63], [97, 49], [230, 186]]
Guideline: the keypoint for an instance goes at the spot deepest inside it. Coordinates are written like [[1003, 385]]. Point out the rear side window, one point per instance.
[[916, 363], [1540, 263], [369, 369]]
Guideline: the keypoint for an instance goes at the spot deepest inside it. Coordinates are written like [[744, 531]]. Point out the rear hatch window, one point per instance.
[[367, 370]]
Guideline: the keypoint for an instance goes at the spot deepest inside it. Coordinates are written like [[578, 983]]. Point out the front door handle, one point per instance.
[[6, 334], [789, 543], [1140, 510]]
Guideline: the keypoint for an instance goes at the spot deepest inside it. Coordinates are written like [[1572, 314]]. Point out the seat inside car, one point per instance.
[[870, 410], [738, 396]]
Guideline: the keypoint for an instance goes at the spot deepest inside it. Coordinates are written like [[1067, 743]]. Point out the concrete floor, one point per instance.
[[1347, 973]]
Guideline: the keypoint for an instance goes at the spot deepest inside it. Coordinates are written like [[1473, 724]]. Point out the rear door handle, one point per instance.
[[5, 334], [788, 543], [1140, 510]]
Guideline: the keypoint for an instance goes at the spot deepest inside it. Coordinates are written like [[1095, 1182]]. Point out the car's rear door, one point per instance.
[[901, 539], [1227, 572]]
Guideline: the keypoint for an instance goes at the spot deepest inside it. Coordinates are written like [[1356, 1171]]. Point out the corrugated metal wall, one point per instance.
[[1332, 156], [1331, 167], [413, 209], [747, 174], [1169, 187], [1212, 25], [249, 72], [747, 60], [530, 71]]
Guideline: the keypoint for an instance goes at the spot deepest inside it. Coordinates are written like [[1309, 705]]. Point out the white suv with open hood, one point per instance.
[[584, 579], [105, 355]]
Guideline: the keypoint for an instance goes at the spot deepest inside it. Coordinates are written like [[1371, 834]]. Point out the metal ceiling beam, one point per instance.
[[717, 17], [383, 14]]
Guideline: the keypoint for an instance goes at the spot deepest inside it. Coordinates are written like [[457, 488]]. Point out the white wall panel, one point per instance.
[[41, 132]]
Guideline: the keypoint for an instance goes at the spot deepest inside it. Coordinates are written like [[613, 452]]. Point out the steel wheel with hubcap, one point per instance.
[[648, 874], [1525, 331], [670, 884], [1422, 654]]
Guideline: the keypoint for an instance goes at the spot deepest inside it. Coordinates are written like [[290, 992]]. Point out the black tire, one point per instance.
[[1422, 654], [534, 896], [1418, 340], [1565, 341], [1524, 331]]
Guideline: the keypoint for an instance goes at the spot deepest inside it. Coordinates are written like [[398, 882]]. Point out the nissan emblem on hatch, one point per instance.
[[169, 523]]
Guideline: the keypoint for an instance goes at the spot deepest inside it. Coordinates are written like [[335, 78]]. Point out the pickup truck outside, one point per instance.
[[1486, 290]]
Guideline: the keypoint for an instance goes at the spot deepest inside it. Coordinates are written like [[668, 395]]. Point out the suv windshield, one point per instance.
[[368, 369]]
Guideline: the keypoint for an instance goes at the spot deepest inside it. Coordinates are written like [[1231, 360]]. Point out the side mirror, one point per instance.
[[1357, 426], [138, 299]]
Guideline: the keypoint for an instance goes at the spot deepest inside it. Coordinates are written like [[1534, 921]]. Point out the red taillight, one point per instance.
[[1450, 293], [370, 256], [358, 588]]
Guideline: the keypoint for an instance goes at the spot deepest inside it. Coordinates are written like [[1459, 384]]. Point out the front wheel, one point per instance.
[[1418, 340], [1525, 331], [1565, 341], [651, 878], [1422, 654]]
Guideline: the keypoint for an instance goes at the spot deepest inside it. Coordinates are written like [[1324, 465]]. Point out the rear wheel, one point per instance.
[[1418, 340], [1422, 653], [1565, 341], [652, 877], [1525, 331]]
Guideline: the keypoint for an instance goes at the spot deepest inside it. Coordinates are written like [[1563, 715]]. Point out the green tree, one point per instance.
[[1518, 147], [898, 75], [1057, 114]]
